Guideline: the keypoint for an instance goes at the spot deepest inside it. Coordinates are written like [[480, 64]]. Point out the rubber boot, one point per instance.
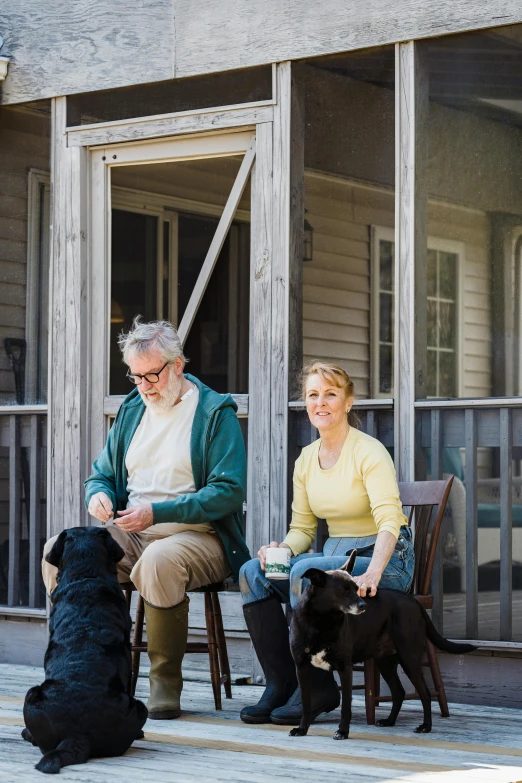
[[167, 631], [325, 698], [268, 630]]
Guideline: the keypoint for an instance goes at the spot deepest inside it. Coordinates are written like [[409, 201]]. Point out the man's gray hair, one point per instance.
[[143, 338]]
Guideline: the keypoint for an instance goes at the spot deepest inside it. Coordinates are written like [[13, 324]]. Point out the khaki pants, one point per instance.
[[162, 567]]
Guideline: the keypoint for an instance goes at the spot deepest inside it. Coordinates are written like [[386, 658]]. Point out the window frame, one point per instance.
[[38, 236], [439, 244]]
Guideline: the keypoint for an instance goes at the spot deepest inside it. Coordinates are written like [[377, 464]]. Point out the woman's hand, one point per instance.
[[135, 519], [367, 582], [262, 552]]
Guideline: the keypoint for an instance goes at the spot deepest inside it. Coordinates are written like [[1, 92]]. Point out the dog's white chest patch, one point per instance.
[[318, 660]]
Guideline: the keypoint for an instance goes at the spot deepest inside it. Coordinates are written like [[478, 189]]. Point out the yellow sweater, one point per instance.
[[358, 497]]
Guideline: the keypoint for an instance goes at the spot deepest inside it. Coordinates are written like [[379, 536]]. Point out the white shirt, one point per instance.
[[158, 461]]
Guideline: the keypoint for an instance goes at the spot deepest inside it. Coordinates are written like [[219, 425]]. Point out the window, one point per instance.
[[444, 264]]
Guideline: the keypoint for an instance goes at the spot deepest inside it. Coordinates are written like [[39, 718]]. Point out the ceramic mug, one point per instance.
[[277, 562]]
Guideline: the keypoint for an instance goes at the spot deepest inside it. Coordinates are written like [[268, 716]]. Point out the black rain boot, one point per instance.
[[325, 698], [268, 630]]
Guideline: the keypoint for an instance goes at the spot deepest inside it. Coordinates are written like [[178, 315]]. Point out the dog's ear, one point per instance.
[[113, 548], [348, 566], [316, 577], [55, 555]]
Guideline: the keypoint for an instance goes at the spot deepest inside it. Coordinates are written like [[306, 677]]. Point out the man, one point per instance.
[[172, 479]]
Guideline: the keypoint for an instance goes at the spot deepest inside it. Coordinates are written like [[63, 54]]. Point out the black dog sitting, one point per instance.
[[333, 628], [83, 708]]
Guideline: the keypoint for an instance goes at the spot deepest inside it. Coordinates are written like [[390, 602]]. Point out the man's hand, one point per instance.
[[262, 552], [367, 583], [136, 519], [100, 507]]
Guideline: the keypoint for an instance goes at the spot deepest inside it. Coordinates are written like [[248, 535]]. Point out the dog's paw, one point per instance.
[[140, 734], [340, 735], [385, 722], [28, 737], [424, 728], [298, 732]]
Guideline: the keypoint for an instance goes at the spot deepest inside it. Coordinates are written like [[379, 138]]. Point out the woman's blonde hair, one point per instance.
[[334, 375]]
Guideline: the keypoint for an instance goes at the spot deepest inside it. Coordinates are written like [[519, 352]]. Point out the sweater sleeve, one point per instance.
[[224, 491], [102, 478], [378, 476], [304, 522]]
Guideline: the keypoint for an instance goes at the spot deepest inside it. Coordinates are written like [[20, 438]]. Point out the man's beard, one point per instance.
[[167, 398]]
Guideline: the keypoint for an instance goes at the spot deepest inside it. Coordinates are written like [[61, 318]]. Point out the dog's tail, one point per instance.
[[439, 641], [74, 750]]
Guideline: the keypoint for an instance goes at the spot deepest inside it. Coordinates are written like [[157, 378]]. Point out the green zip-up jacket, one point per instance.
[[218, 459]]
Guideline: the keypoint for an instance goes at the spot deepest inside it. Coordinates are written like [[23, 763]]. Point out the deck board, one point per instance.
[[477, 744]]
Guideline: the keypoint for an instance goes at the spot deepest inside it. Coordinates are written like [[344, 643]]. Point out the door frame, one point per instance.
[[101, 161], [80, 280]]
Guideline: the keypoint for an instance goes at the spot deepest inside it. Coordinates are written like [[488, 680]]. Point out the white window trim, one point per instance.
[[441, 244], [35, 178]]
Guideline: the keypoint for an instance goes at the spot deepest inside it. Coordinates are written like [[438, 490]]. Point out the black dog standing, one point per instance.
[[83, 709], [333, 628]]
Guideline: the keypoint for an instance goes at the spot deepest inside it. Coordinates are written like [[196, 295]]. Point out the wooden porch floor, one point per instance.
[[482, 744]]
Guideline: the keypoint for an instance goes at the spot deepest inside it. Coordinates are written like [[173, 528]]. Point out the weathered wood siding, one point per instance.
[[88, 45]]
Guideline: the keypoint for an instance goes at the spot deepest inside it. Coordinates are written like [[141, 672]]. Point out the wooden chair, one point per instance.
[[215, 646], [421, 497]]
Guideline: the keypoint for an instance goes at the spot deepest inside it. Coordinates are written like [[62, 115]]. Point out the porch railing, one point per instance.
[[481, 440], [23, 463]]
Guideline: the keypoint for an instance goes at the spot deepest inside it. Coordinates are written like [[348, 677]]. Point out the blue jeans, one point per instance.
[[397, 575]]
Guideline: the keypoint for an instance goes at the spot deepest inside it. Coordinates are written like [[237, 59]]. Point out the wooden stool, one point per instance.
[[215, 646]]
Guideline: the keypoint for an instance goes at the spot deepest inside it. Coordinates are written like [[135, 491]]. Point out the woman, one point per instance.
[[347, 478]]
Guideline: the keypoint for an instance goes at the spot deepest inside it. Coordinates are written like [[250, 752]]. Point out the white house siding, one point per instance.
[[336, 284], [24, 145]]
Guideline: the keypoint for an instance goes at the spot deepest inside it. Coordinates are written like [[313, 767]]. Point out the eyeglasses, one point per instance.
[[150, 377]]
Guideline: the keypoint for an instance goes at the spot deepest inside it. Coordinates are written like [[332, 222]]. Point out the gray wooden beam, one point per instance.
[[287, 283], [506, 524], [35, 511], [15, 512], [105, 44], [436, 473], [471, 526], [258, 487], [68, 387], [411, 104]]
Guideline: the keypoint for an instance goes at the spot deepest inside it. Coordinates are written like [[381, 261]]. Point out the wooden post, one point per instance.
[[411, 110], [287, 282], [68, 387], [258, 488]]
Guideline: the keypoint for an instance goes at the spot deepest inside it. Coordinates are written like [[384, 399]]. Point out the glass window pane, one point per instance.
[[432, 323], [447, 374], [447, 275], [432, 373], [447, 325], [386, 265], [385, 368], [431, 273], [164, 218], [386, 322], [349, 142]]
